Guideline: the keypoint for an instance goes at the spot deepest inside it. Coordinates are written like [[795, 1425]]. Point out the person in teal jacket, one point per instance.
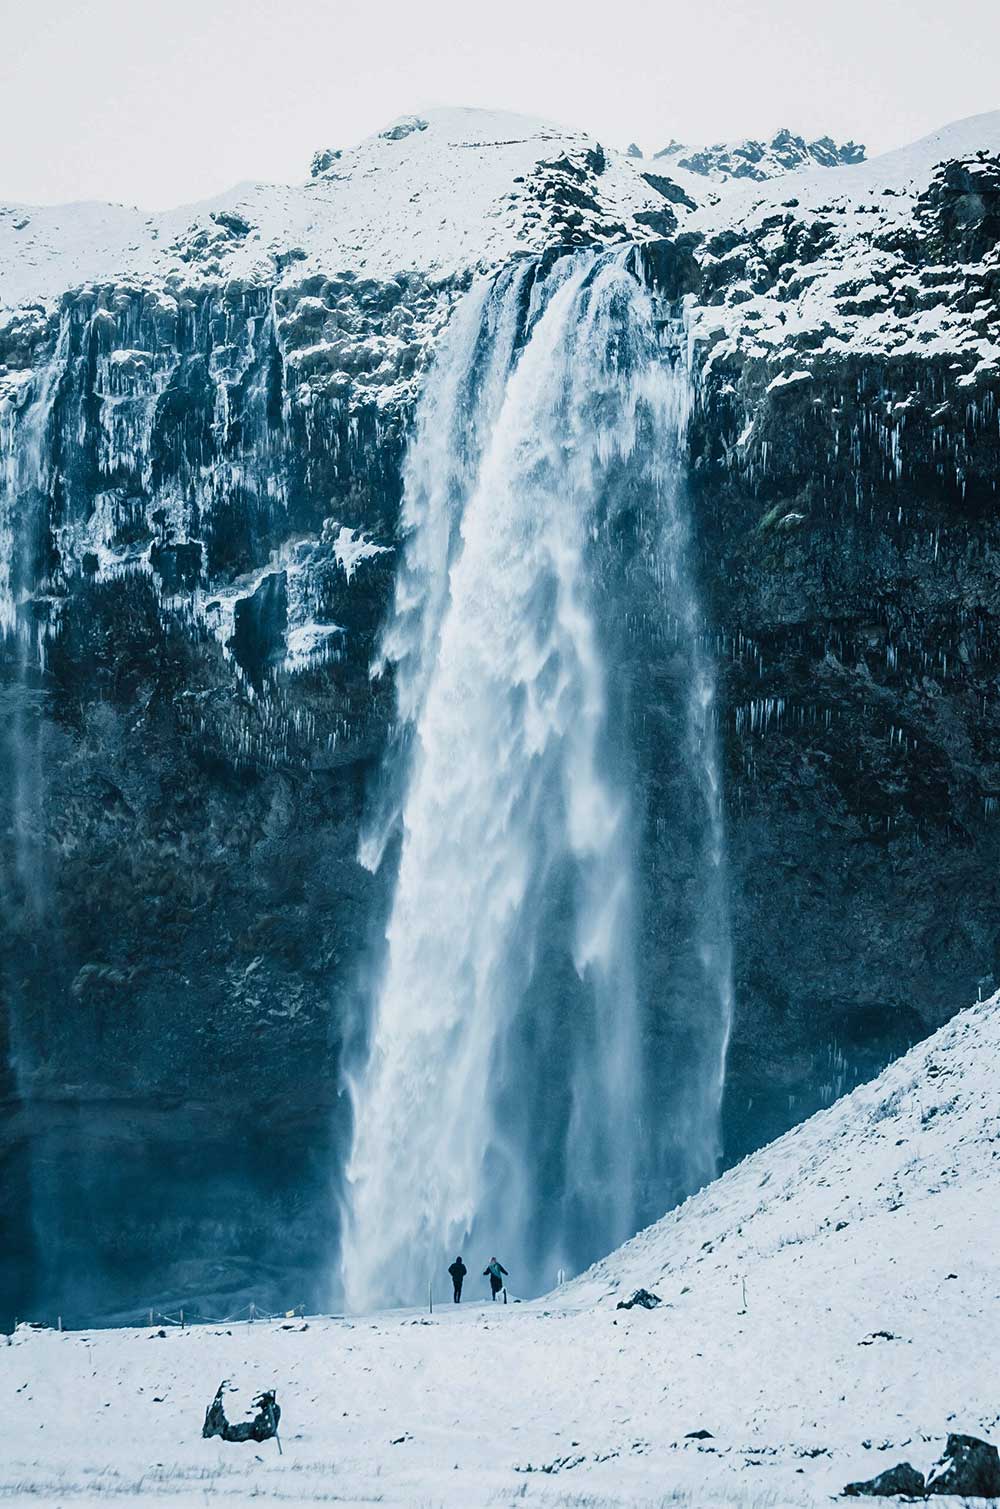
[[497, 1272]]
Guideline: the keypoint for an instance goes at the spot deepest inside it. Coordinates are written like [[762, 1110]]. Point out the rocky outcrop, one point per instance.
[[968, 1468], [643, 1298], [760, 160], [902, 1481]]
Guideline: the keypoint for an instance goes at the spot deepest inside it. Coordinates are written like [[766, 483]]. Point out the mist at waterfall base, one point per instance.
[[544, 1063]]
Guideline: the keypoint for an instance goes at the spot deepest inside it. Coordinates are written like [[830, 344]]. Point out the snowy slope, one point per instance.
[[829, 1308], [827, 261], [454, 191], [906, 170], [823, 260]]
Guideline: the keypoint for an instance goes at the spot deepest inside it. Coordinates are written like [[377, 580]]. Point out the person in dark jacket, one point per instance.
[[497, 1272], [458, 1270]]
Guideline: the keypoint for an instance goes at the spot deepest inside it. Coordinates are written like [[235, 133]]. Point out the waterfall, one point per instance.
[[515, 1098], [26, 479]]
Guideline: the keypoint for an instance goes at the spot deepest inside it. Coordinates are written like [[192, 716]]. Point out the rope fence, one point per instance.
[[248, 1313], [182, 1318]]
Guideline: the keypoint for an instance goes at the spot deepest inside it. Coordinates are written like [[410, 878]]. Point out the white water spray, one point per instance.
[[505, 1101]]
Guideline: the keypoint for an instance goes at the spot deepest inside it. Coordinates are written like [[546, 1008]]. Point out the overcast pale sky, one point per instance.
[[160, 103]]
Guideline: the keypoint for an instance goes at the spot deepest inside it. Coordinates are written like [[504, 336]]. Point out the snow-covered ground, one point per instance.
[[829, 1308]]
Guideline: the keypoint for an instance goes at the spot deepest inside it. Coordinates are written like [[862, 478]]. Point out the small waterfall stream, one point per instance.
[[26, 479], [515, 1096]]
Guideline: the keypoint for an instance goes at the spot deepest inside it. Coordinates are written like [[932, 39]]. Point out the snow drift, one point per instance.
[[827, 1308]]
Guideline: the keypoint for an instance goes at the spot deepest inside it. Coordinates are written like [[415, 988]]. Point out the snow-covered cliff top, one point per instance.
[[454, 189], [818, 262], [871, 258]]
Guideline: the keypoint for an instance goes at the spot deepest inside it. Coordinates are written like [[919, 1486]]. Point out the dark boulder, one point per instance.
[[669, 190], [660, 222], [641, 1297], [237, 225], [901, 1480], [969, 1468], [262, 1427]]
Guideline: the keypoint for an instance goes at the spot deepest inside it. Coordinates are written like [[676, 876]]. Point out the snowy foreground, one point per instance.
[[829, 1308]]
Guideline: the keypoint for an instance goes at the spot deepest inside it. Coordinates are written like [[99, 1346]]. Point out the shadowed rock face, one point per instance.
[[186, 929], [859, 647], [182, 786], [968, 1467], [848, 524]]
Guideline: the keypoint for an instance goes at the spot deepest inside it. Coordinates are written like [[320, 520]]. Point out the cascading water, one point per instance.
[[516, 1096], [26, 475]]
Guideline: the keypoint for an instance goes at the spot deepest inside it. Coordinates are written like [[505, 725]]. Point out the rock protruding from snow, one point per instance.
[[643, 1298], [323, 160], [405, 126], [895, 1481], [969, 1468], [959, 213], [759, 160]]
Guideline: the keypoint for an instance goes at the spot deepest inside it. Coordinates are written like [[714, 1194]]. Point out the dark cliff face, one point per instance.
[[209, 538], [184, 915], [854, 601], [847, 513]]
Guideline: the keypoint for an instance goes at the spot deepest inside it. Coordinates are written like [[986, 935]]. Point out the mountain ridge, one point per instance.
[[760, 160]]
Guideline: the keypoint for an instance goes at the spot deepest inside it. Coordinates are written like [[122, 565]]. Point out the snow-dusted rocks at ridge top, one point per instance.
[[820, 245], [450, 190], [829, 1308], [758, 160]]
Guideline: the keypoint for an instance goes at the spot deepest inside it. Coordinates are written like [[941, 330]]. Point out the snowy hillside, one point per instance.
[[827, 262], [829, 1308], [449, 190], [824, 258], [759, 160]]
